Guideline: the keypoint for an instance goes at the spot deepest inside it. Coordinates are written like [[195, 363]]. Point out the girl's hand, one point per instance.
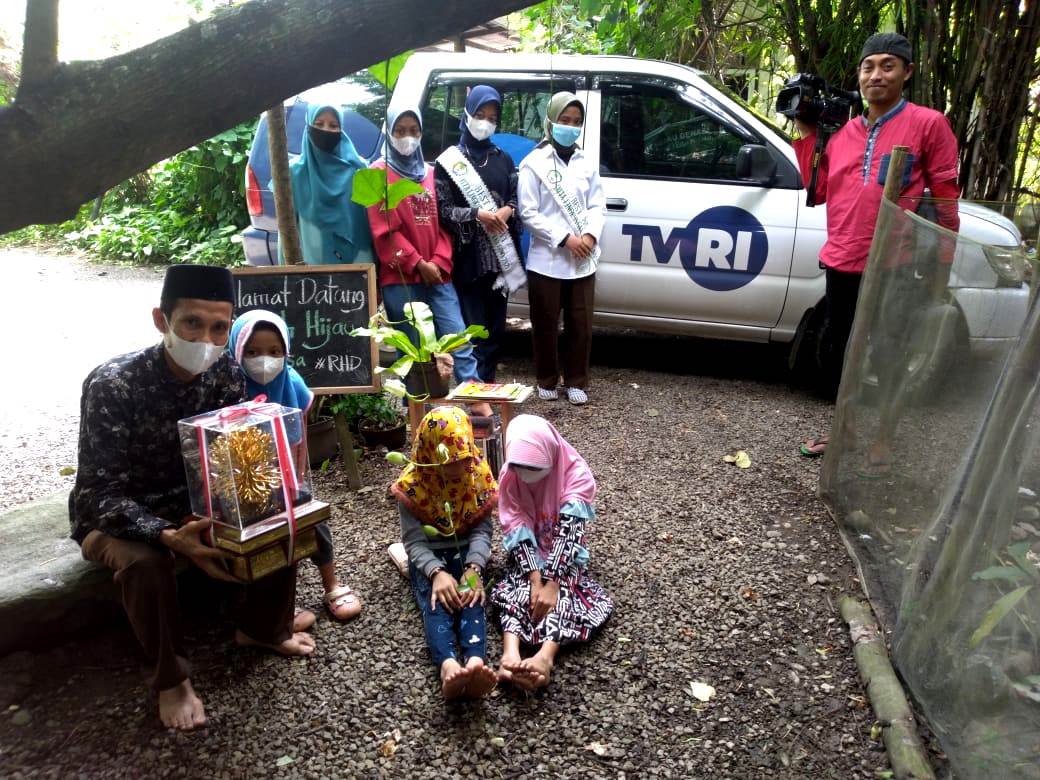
[[590, 241], [445, 590], [475, 595], [543, 599], [429, 272], [492, 220], [505, 213], [578, 247]]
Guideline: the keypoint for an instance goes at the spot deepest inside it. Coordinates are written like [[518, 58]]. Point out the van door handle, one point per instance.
[[617, 204]]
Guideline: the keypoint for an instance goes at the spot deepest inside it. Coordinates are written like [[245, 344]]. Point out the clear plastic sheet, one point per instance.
[[933, 474]]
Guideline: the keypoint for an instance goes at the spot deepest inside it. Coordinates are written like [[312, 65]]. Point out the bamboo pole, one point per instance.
[[906, 754], [285, 209]]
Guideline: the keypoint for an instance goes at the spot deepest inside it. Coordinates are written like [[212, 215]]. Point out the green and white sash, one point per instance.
[[556, 181], [477, 195]]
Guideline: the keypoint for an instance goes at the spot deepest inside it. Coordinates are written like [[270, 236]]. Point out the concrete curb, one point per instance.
[[47, 590]]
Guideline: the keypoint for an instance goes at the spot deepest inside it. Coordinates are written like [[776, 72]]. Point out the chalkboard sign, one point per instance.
[[321, 304]]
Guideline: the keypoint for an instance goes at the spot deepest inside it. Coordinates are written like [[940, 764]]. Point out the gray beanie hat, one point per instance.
[[887, 43]]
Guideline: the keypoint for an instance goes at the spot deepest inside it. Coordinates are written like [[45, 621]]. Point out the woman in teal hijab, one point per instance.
[[333, 229]]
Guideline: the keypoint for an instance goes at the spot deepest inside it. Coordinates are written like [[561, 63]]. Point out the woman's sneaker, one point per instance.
[[548, 393], [577, 396]]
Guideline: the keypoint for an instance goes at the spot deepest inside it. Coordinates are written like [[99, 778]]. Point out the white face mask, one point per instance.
[[406, 145], [530, 476], [195, 357], [263, 369], [481, 129]]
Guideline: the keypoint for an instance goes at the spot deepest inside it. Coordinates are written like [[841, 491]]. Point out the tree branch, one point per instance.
[[90, 125], [40, 43]]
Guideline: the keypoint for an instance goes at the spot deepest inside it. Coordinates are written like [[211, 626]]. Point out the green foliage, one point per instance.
[[1020, 564], [388, 71], [377, 409], [370, 188]]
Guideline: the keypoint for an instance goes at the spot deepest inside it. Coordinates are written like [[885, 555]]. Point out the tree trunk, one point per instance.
[[86, 126], [39, 44], [284, 208]]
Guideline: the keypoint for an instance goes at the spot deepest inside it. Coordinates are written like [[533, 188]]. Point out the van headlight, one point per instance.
[[1008, 263]]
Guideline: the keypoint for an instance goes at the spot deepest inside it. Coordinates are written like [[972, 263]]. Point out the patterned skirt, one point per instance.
[[581, 608]]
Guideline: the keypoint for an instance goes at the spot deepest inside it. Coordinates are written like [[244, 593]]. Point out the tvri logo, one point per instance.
[[723, 248]]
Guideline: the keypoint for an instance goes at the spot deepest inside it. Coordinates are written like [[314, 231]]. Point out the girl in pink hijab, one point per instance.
[[546, 598]]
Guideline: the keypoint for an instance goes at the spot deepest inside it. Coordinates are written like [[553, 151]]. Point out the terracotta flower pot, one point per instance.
[[374, 436], [322, 440]]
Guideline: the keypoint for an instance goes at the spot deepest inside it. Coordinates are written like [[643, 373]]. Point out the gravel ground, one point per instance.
[[720, 575]]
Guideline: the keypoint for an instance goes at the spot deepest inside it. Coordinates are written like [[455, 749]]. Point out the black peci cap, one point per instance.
[[204, 282], [887, 43]]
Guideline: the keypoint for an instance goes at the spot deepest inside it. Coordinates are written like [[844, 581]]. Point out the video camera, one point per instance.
[[808, 98]]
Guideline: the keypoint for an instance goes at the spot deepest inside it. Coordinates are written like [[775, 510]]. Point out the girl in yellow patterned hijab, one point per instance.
[[461, 476], [449, 548]]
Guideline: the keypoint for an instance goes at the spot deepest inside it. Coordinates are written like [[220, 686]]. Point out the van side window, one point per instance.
[[657, 132], [519, 127]]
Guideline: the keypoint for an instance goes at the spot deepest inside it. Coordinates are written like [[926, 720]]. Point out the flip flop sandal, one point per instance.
[[873, 472], [342, 604], [808, 448]]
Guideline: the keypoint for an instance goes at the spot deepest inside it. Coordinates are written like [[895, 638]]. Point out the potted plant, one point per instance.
[[427, 381], [322, 441], [378, 416]]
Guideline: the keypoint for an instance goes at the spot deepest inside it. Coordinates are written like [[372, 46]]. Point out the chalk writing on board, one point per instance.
[[320, 307]]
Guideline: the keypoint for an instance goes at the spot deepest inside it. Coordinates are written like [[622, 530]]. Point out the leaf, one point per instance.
[[397, 458], [1020, 552], [420, 316], [701, 691], [67, 471], [652, 413], [388, 71], [400, 190], [402, 366], [497, 742], [283, 761], [395, 387], [369, 187], [598, 748], [730, 458], [430, 531], [996, 613], [743, 460], [1008, 573]]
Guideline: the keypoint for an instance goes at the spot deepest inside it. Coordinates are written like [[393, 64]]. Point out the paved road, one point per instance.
[[61, 317]]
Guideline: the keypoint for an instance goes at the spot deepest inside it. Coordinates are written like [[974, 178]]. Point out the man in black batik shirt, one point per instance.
[[129, 509]]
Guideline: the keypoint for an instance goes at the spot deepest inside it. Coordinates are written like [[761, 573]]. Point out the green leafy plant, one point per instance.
[[1021, 568], [378, 410], [420, 317]]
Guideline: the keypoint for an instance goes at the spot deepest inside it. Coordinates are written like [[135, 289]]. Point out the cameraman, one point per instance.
[[852, 177]]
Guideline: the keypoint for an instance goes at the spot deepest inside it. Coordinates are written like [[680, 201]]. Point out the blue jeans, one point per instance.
[[482, 305], [442, 627], [447, 318]]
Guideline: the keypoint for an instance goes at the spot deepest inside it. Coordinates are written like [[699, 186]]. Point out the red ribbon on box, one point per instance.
[[290, 483]]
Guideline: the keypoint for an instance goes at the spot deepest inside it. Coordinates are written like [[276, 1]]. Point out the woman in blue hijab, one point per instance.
[[477, 269], [259, 342], [333, 229]]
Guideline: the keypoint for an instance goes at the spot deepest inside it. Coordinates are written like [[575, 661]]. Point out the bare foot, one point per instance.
[[537, 668], [298, 644], [180, 708], [454, 679], [482, 679], [508, 664], [303, 620]]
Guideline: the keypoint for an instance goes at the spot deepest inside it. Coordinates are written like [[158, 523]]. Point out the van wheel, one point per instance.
[[806, 357], [929, 361]]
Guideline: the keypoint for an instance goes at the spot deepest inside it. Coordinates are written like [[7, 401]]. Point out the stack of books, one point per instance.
[[513, 392]]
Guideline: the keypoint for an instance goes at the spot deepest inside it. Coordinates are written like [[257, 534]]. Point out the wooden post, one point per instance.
[[346, 451], [285, 210]]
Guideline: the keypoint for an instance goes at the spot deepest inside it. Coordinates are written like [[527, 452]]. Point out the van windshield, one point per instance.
[[721, 87]]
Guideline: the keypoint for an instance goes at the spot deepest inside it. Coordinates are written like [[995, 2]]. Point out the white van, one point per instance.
[[707, 229]]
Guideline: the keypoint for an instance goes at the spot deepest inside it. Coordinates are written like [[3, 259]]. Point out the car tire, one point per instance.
[[805, 359]]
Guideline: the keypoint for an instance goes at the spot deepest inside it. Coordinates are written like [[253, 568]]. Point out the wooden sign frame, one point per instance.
[[366, 268]]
